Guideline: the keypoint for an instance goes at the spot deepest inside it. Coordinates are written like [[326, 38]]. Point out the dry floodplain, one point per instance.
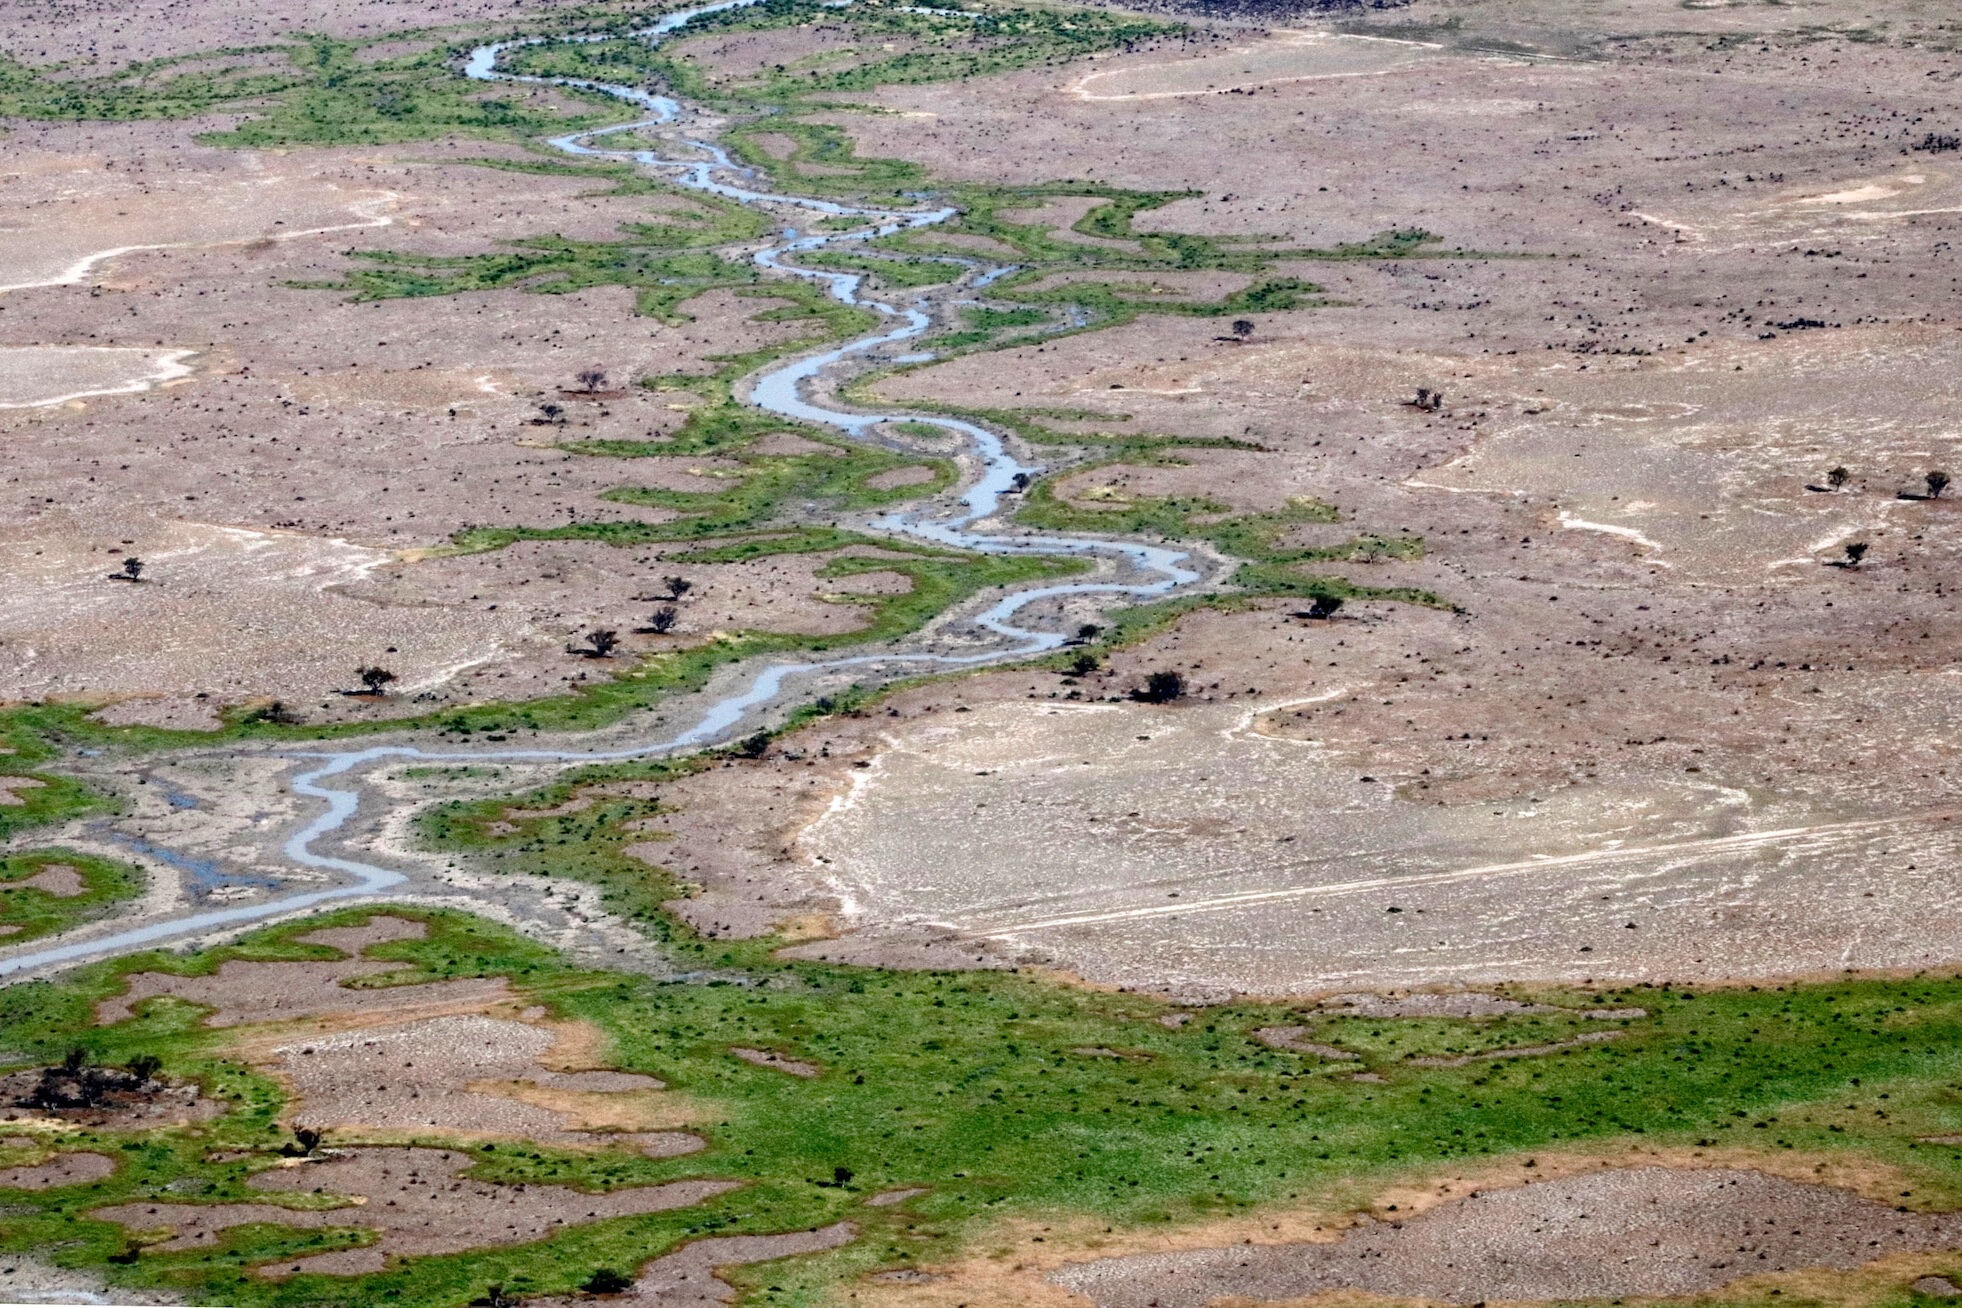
[[1517, 863]]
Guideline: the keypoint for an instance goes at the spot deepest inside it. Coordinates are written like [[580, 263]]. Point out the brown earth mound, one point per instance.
[[415, 1202], [1638, 1231]]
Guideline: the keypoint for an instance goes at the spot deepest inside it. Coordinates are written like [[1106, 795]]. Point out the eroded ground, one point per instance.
[[1567, 914]]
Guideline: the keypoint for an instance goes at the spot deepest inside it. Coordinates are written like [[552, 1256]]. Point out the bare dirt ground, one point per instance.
[[76, 1167], [412, 1199], [468, 1077], [687, 1277], [1658, 735], [97, 37], [285, 485], [451, 1060], [1646, 1231]]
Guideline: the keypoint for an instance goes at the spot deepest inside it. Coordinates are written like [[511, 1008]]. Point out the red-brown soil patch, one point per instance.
[[58, 879], [1291, 1038], [241, 992], [775, 1061], [74, 1168], [414, 1200], [467, 1077], [687, 1277]]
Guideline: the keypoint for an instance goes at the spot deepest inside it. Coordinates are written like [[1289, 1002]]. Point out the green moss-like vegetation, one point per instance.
[[30, 911], [314, 90], [1009, 1096], [663, 263]]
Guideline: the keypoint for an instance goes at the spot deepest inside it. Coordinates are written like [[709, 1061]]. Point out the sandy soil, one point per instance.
[[1645, 1231], [33, 377], [415, 1202], [1280, 57]]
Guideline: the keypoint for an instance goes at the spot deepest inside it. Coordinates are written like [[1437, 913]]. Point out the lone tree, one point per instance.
[[132, 570], [551, 412], [677, 586], [600, 643], [1838, 477], [374, 678], [592, 379], [1937, 483], [1083, 663], [1161, 687], [1243, 327], [661, 621], [1325, 606], [1855, 551]]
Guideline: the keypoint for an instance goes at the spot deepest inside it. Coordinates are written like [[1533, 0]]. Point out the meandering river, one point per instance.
[[334, 776]]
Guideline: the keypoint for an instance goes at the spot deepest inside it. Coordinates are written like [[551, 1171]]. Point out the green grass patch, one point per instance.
[[1011, 1096], [28, 912]]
